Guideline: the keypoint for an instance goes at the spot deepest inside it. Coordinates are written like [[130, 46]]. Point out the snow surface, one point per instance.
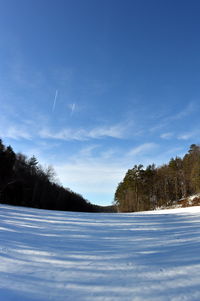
[[192, 197], [48, 255]]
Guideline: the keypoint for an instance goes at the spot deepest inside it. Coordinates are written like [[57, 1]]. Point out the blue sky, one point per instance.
[[94, 87]]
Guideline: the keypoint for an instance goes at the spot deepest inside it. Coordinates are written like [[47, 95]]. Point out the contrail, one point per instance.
[[55, 99], [73, 106]]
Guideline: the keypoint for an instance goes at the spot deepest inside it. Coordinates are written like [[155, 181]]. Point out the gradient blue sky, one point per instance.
[[93, 87]]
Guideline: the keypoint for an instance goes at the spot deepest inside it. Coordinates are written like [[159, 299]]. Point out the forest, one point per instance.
[[152, 187], [24, 182]]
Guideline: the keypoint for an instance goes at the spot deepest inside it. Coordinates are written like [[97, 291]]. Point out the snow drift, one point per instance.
[[47, 255]]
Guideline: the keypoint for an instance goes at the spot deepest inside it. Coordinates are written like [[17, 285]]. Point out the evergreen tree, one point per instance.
[[144, 189], [25, 182]]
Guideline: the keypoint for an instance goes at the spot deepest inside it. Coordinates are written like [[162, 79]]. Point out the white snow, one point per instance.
[[192, 197], [48, 255]]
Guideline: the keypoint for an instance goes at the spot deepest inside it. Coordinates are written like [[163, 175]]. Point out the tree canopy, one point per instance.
[[151, 187], [24, 182]]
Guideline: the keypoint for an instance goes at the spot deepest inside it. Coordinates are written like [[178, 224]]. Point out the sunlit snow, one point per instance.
[[48, 255]]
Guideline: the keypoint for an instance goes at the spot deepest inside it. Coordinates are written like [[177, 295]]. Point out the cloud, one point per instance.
[[88, 150], [14, 132], [166, 121], [186, 136], [72, 108], [142, 149], [115, 131], [190, 108], [166, 135]]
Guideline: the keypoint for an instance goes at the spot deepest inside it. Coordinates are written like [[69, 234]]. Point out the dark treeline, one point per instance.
[[146, 189], [24, 182]]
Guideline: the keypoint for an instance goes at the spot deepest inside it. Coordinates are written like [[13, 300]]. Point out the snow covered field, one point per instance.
[[46, 255]]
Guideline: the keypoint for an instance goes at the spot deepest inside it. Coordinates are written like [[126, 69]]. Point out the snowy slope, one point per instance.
[[46, 255]]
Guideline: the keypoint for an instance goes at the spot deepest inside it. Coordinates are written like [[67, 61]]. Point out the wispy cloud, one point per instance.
[[72, 108], [64, 134], [166, 135], [114, 131], [189, 109], [87, 151], [15, 133], [165, 122], [142, 149], [189, 135]]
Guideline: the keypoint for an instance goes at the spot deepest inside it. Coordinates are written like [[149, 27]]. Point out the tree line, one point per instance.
[[24, 182], [151, 187]]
